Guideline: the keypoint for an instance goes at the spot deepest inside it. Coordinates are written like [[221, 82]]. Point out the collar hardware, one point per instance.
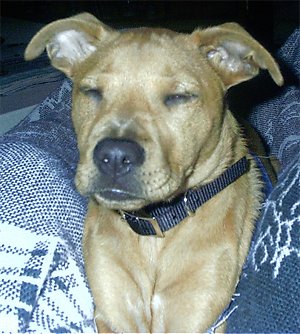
[[188, 210], [152, 220], [158, 231]]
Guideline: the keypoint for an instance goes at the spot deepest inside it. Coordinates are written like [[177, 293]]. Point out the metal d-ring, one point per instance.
[[122, 214], [188, 210]]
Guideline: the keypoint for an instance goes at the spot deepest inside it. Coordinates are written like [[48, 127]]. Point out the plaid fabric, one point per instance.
[[42, 283]]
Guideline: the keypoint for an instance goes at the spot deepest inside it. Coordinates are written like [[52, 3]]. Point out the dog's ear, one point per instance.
[[234, 54], [68, 41]]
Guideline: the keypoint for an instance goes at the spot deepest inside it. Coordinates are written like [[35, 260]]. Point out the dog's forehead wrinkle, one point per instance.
[[139, 62], [145, 35], [145, 50], [135, 90], [144, 77]]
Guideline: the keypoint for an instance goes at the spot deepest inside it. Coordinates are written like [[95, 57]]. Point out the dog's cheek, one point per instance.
[[84, 113], [195, 131]]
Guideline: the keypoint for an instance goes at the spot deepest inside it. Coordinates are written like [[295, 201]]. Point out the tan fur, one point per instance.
[[182, 282]]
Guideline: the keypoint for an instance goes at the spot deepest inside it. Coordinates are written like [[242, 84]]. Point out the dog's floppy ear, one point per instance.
[[68, 41], [234, 54]]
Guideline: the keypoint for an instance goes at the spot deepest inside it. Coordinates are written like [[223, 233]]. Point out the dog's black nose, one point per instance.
[[118, 156]]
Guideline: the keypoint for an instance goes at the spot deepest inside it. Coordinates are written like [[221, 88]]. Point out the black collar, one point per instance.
[[160, 217]]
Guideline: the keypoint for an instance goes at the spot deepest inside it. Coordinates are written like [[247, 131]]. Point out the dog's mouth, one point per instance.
[[119, 199], [132, 192], [115, 194]]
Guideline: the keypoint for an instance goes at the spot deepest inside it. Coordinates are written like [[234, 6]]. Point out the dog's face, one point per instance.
[[136, 113], [138, 99]]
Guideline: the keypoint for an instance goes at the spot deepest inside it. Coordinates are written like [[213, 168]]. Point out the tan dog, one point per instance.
[[152, 127]]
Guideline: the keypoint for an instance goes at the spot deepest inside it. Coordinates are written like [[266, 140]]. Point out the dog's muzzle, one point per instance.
[[117, 160]]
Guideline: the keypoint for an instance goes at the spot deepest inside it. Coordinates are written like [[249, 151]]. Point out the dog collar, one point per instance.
[[158, 218]]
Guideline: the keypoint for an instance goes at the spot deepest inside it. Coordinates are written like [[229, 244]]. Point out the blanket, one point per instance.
[[43, 287], [268, 290], [42, 281]]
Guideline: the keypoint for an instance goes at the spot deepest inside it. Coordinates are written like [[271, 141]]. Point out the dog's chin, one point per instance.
[[117, 199]]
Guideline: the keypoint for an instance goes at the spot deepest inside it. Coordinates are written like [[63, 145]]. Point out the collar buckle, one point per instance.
[[152, 220], [158, 231]]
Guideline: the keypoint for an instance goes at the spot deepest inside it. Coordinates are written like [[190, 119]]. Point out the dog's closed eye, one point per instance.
[[176, 99], [93, 93]]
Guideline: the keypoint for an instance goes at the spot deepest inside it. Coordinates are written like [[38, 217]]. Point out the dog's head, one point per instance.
[[148, 103]]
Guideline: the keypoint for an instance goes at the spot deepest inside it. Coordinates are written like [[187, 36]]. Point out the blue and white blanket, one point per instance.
[[269, 288], [42, 283]]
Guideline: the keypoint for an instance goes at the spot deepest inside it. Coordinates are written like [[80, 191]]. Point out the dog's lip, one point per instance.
[[115, 194]]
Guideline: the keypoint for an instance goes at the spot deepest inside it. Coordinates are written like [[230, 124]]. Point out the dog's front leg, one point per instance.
[[116, 274], [101, 326], [193, 301]]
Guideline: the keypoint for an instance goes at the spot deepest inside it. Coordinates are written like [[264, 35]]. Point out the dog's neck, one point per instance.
[[160, 217], [214, 160]]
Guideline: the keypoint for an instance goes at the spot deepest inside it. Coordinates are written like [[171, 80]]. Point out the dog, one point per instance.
[[174, 192]]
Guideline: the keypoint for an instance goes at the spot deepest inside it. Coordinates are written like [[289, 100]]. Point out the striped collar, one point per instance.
[[160, 217]]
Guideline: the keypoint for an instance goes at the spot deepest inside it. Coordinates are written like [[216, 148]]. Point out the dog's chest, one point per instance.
[[151, 248]]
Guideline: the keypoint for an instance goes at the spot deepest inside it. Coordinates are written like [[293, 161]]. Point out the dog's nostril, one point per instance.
[[114, 159], [126, 161], [105, 160], [116, 156]]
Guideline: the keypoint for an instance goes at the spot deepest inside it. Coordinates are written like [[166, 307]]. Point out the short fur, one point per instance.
[[164, 91]]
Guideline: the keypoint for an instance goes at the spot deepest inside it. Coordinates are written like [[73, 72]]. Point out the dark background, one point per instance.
[[270, 22]]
